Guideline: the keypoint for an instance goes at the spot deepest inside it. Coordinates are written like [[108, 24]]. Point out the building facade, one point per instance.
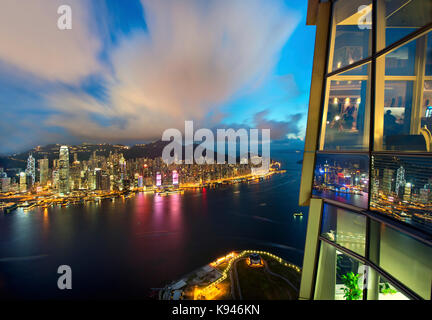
[[367, 163], [63, 171], [43, 171]]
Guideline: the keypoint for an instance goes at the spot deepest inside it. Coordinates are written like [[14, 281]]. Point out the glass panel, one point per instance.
[[403, 17], [406, 259], [352, 24], [333, 266], [345, 228], [426, 120], [398, 98], [379, 288], [343, 178], [429, 55], [404, 99], [402, 188], [401, 62], [346, 114]]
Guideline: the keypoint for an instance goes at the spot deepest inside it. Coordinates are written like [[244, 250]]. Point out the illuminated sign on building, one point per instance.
[[158, 179], [175, 177]]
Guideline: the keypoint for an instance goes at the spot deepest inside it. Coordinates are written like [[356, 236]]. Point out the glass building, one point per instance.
[[367, 166]]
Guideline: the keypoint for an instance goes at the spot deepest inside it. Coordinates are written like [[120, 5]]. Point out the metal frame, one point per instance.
[[406, 291]]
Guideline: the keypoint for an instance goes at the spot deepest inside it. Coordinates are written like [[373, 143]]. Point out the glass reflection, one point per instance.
[[345, 117], [402, 188], [332, 268], [402, 17], [344, 228], [351, 32], [343, 178]]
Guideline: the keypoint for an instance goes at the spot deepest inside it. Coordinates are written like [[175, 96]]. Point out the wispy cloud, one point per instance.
[[192, 57]]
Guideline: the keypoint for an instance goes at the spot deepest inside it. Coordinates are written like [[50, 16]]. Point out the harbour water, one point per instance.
[[123, 248]]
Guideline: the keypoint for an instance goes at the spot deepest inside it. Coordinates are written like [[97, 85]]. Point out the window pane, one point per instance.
[[398, 98], [402, 188], [429, 55], [403, 98], [346, 114], [406, 259], [404, 16], [379, 288], [343, 178], [401, 62], [351, 32], [426, 120], [333, 266], [345, 228]]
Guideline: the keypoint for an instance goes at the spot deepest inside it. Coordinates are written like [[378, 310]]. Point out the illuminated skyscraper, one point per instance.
[[175, 177], [23, 182], [43, 171], [400, 181], [407, 192], [31, 170], [387, 180], [158, 179], [64, 170]]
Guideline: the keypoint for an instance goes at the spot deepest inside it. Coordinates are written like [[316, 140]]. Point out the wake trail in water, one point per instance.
[[27, 258]]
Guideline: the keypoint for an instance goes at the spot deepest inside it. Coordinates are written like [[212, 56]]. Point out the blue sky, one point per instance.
[[130, 69]]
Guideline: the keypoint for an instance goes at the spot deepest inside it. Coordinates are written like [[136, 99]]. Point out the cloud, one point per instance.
[[191, 57], [279, 129], [31, 41], [194, 56]]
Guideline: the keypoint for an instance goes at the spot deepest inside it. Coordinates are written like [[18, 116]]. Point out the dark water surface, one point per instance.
[[121, 249]]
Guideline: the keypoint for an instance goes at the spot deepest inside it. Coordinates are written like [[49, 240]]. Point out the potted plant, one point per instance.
[[352, 290]]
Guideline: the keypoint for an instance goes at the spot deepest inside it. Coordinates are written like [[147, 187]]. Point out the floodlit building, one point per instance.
[[31, 170], [370, 98], [43, 172], [63, 170]]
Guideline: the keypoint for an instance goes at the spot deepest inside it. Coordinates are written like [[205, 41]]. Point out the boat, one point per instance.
[[298, 214]]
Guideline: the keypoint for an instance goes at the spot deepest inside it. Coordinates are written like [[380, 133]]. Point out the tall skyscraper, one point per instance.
[[23, 182], [4, 181], [387, 180], [400, 181], [64, 170], [43, 171], [31, 170]]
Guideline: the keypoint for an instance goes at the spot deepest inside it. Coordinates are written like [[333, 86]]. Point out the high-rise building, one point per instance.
[[387, 180], [23, 182], [31, 170], [43, 171], [63, 170], [368, 98], [4, 181], [400, 181]]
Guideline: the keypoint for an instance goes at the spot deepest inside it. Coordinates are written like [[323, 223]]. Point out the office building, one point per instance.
[[63, 170], [43, 172], [31, 170]]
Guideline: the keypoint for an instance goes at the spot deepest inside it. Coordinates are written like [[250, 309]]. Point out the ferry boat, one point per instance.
[[298, 214]]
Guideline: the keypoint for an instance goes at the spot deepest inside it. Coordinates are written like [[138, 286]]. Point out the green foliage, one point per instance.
[[351, 290], [385, 289]]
